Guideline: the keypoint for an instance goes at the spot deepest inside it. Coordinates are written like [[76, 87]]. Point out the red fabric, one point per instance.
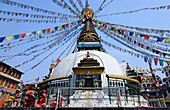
[[41, 101], [22, 35], [81, 21], [53, 104], [146, 37], [67, 25], [156, 61], [94, 25], [48, 30], [122, 32], [30, 101], [142, 45], [60, 104], [157, 52], [58, 61]]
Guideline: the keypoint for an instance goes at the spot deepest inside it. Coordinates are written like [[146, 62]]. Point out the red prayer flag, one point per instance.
[[146, 37], [48, 30], [157, 52], [22, 35], [67, 25], [122, 32], [156, 61]]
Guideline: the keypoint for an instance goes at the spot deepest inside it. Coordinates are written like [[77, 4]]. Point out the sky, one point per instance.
[[155, 19]]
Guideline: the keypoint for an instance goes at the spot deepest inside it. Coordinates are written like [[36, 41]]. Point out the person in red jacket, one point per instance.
[[29, 101], [42, 100]]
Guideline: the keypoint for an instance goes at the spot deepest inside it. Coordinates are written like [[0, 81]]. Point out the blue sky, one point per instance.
[[156, 19]]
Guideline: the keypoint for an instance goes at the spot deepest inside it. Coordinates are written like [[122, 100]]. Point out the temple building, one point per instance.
[[149, 89], [90, 77], [9, 79]]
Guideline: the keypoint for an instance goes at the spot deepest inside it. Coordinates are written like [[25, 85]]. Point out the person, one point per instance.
[[16, 98], [10, 101], [42, 100], [29, 101]]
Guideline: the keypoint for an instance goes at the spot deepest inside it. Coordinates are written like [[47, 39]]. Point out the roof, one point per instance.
[[13, 69], [122, 77], [51, 79]]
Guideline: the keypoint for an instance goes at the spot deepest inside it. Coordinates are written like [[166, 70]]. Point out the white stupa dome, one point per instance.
[[110, 64]]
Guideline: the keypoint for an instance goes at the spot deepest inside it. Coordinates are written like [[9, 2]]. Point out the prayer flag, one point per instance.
[[22, 35], [16, 36], [156, 61], [48, 30], [2, 39], [167, 40], [161, 62], [9, 37]]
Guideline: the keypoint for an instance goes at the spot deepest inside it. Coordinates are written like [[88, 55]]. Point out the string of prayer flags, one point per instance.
[[101, 8], [128, 37], [146, 58], [64, 33], [29, 20], [134, 11], [35, 56], [80, 3], [74, 6], [24, 6], [31, 15], [128, 29], [65, 6], [41, 32]]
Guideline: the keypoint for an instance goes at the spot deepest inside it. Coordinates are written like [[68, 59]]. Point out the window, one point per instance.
[[58, 84], [67, 84], [5, 69], [12, 73], [1, 68], [8, 72]]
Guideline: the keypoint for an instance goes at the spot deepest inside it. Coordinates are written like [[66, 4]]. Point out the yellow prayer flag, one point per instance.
[[137, 43], [59, 28], [167, 40], [39, 32], [168, 62], [9, 37]]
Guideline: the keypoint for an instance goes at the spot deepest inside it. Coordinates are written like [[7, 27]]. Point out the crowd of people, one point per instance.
[[28, 100]]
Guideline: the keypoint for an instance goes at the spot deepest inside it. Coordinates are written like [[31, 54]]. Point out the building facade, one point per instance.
[[9, 79], [149, 89]]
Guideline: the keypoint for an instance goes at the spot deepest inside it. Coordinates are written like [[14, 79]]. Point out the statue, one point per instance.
[[42, 100]]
